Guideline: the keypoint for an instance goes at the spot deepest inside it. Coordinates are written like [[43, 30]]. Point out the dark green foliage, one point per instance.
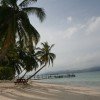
[[14, 21], [45, 54], [18, 37], [6, 73]]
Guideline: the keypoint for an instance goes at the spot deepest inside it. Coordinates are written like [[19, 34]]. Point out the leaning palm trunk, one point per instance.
[[24, 75], [19, 73], [36, 72]]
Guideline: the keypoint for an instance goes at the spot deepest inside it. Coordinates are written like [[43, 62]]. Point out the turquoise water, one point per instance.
[[87, 79]]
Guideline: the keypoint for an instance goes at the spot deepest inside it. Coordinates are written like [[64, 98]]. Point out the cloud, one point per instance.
[[87, 60], [69, 19], [81, 50], [77, 46], [93, 25], [70, 31]]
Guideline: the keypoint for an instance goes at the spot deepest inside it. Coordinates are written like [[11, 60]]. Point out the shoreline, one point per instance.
[[70, 88], [45, 91]]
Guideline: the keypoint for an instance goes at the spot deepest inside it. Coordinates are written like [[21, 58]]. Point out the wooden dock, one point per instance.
[[53, 76]]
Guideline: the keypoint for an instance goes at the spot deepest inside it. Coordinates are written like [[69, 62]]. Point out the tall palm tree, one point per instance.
[[45, 55], [15, 24]]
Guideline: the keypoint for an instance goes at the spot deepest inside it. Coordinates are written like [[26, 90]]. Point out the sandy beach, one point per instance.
[[43, 91]]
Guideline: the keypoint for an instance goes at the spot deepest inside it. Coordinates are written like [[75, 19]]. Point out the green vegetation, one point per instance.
[[14, 21], [45, 56], [18, 39], [6, 73]]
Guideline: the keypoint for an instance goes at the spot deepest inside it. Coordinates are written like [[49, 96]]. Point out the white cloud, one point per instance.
[[87, 60], [69, 19], [73, 47], [79, 49], [70, 31], [93, 25]]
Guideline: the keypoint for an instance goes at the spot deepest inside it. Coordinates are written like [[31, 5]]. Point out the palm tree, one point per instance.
[[20, 60], [15, 25], [45, 56], [31, 62], [12, 61]]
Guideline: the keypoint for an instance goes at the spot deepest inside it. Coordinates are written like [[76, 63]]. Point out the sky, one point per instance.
[[74, 27]]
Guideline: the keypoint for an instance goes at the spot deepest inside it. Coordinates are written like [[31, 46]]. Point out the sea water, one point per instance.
[[86, 79]]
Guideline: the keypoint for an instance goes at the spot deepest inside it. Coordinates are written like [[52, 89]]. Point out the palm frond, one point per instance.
[[30, 62], [52, 55], [25, 3], [30, 30], [39, 12], [39, 53], [51, 46], [23, 38], [9, 3], [45, 45]]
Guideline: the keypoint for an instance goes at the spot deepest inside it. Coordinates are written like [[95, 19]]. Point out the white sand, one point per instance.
[[42, 91]]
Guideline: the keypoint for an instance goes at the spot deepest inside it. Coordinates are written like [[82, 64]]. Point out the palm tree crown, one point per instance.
[[15, 24], [45, 54]]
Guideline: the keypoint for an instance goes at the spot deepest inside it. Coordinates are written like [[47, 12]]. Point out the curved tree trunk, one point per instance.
[[23, 75], [36, 72]]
